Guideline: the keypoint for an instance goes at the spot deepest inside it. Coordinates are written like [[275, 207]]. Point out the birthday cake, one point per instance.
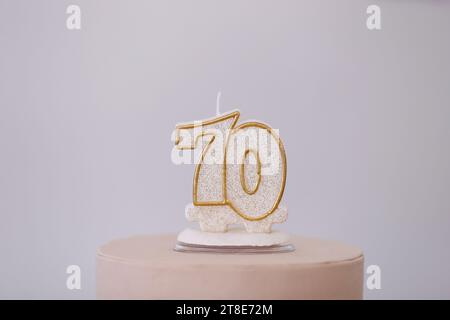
[[239, 182]]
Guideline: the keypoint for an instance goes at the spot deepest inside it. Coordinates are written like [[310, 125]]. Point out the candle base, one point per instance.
[[218, 218], [236, 240]]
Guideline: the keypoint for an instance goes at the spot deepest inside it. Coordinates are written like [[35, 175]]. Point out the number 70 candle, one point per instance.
[[240, 173]]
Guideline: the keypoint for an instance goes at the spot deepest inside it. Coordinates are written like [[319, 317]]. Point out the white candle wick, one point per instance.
[[218, 103]]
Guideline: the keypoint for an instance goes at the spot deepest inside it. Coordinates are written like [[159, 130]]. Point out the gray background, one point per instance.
[[86, 118]]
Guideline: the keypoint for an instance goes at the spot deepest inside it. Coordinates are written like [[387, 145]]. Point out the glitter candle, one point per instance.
[[240, 173]]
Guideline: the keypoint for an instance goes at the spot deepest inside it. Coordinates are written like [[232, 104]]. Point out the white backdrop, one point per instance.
[[86, 117]]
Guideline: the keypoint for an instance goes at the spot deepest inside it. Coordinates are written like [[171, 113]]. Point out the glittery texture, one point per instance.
[[218, 218], [272, 174], [210, 179], [245, 184]]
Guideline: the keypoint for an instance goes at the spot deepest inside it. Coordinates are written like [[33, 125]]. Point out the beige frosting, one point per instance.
[[146, 267]]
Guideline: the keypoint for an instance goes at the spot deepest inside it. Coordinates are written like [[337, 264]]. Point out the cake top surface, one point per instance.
[[158, 250]]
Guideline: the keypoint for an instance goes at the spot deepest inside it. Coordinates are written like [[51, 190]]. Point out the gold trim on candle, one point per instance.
[[235, 116], [244, 184]]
